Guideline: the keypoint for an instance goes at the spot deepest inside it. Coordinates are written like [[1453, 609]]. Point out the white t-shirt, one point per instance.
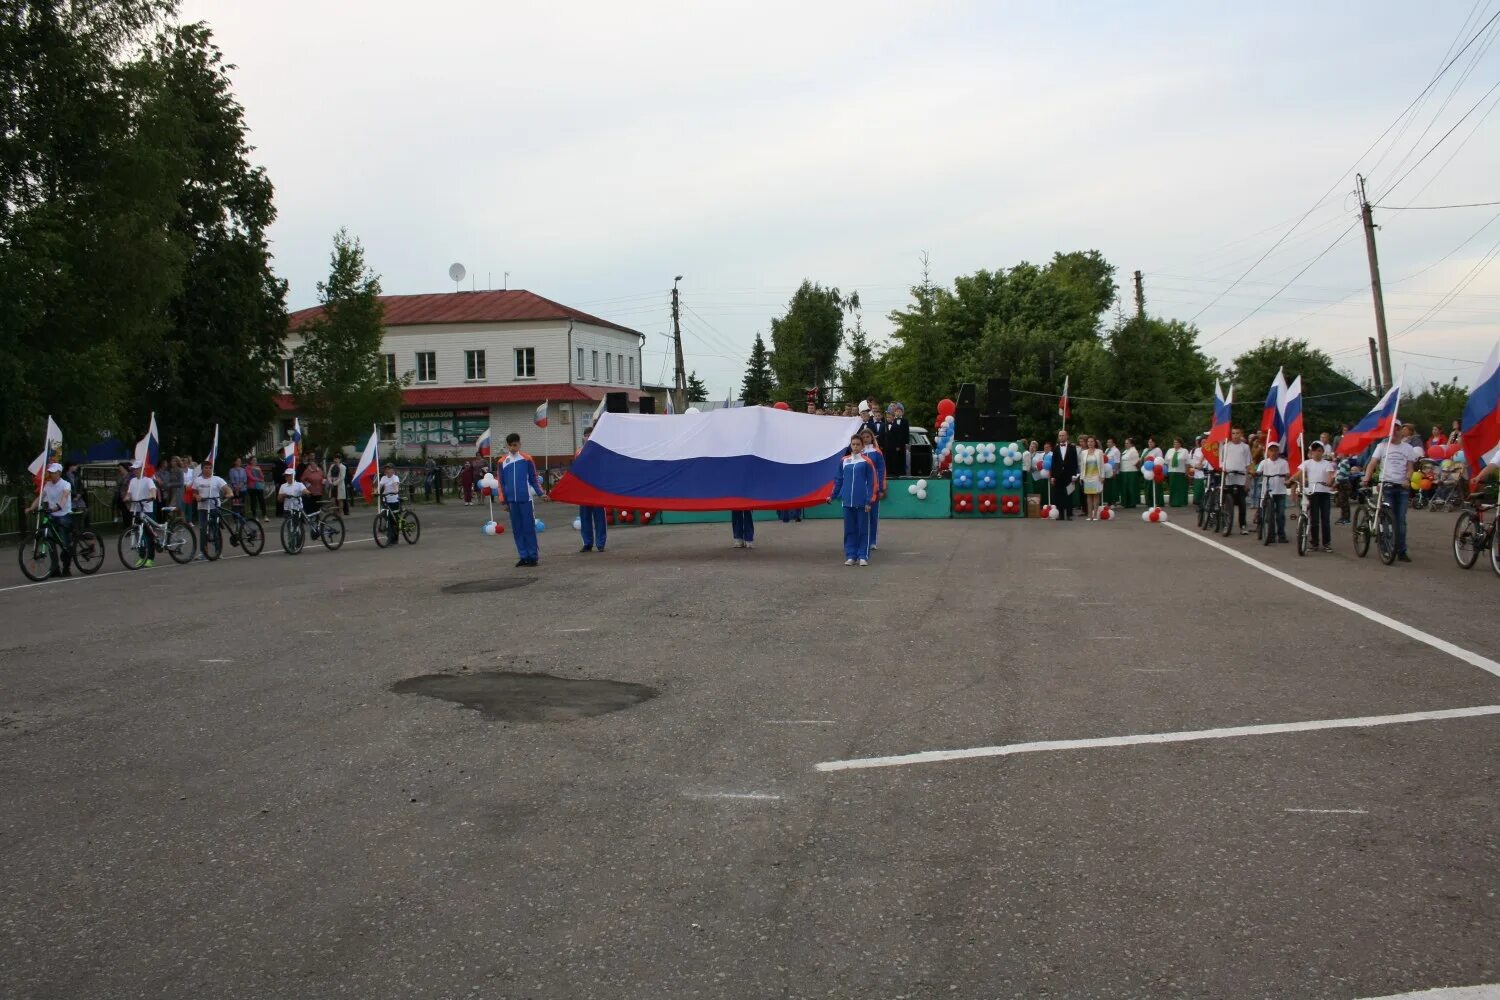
[[1196, 463], [390, 487], [57, 498], [1234, 457], [1130, 460], [140, 492], [208, 489], [1396, 461], [1275, 471], [188, 475], [292, 494], [1318, 471]]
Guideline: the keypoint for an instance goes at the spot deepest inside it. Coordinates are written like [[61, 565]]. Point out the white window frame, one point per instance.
[[594, 367], [431, 375], [288, 373], [470, 368], [579, 374], [630, 361], [527, 355], [390, 367], [609, 367]]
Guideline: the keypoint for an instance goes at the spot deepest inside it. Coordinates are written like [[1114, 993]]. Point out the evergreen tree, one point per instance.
[[859, 378], [697, 392], [341, 379], [759, 385]]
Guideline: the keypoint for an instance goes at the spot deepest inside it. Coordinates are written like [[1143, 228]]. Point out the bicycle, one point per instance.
[[1304, 519], [323, 524], [245, 533], [1366, 515], [40, 549], [173, 535], [1473, 533], [1210, 510], [1385, 527], [407, 526]]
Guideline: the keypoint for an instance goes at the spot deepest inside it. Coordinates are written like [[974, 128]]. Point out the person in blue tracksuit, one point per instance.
[[742, 524], [518, 480], [591, 519], [855, 484], [877, 458]]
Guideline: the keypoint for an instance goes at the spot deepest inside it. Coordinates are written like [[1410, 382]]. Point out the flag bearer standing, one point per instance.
[[856, 485], [518, 481]]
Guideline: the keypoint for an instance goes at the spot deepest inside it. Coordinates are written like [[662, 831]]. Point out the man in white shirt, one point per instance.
[[1274, 472], [1396, 460], [56, 499], [209, 490], [1316, 476], [389, 486], [141, 494], [1234, 459]]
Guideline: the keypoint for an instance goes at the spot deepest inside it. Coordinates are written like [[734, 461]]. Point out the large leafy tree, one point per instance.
[[805, 340], [759, 385], [1330, 397], [1439, 404], [341, 381]]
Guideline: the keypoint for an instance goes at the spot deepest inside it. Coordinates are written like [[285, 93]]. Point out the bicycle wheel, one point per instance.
[[36, 557], [130, 547], [411, 528], [252, 537], [1468, 537], [1385, 530], [1362, 532], [1260, 523], [213, 540], [333, 532], [1302, 535], [291, 536], [382, 529], [181, 543], [1202, 517], [88, 553], [1495, 547]]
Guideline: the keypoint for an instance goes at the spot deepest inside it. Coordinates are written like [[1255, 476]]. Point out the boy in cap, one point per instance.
[[56, 499], [140, 495], [1273, 471], [1316, 475]]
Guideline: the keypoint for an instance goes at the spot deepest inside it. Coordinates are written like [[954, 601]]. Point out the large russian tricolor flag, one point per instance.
[[1377, 425], [750, 458], [148, 449], [1481, 419], [1291, 424], [1272, 419], [367, 473]]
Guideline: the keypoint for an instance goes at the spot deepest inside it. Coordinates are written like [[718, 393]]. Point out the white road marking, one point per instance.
[[590, 629], [215, 661], [1157, 670], [801, 722], [755, 796], [937, 756], [1111, 637], [1489, 991], [1482, 662], [1351, 812]]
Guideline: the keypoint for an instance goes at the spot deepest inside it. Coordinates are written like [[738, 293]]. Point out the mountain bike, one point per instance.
[[1474, 532], [323, 524], [172, 536], [1366, 515], [1210, 511], [243, 533], [1385, 528], [42, 549], [407, 526], [1304, 519]]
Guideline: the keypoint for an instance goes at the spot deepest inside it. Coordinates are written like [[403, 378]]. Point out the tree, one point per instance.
[[859, 380], [697, 391], [759, 385], [917, 368], [805, 340], [341, 381], [221, 349], [1438, 405], [1331, 398]]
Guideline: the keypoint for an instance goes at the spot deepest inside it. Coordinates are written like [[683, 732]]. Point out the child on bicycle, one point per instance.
[[1273, 471], [141, 494], [56, 498], [1316, 476], [390, 499]]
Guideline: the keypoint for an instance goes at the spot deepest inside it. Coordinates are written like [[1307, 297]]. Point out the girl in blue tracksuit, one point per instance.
[[875, 455], [518, 478], [855, 484]]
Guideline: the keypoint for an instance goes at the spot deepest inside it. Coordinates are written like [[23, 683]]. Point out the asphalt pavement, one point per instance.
[[212, 790]]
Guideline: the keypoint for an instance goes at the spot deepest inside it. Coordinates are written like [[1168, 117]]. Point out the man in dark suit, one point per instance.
[[898, 437], [879, 426], [1064, 471]]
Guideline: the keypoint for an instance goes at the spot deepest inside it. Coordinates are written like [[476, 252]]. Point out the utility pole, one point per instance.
[[1385, 345], [1140, 296], [1375, 364], [680, 387]]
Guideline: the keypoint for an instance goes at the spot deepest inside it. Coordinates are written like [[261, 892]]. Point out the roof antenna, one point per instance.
[[456, 274], [507, 281]]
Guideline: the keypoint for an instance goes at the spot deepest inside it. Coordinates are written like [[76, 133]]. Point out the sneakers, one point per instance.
[[150, 563], [864, 562], [599, 549], [737, 544], [747, 545], [1328, 548], [520, 563], [141, 562], [848, 562], [1402, 557], [587, 548]]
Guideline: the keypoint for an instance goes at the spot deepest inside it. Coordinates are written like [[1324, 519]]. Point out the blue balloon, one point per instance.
[[540, 527], [986, 480], [1047, 460], [1011, 480]]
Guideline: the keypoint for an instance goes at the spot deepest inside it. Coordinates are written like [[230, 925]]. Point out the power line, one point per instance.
[[1431, 149], [1434, 208], [1464, 282]]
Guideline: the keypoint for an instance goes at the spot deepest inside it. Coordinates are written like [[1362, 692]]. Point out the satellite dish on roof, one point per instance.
[[456, 274]]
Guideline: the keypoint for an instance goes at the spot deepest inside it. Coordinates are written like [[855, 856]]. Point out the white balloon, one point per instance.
[[921, 494], [1043, 474], [921, 484], [692, 409], [1146, 514], [577, 524], [1162, 517], [1053, 514], [912, 489]]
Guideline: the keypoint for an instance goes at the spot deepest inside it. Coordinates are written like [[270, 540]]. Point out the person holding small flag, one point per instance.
[[855, 485], [56, 498], [518, 482], [1396, 457]]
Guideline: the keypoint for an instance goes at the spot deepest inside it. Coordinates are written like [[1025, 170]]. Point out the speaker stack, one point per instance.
[[648, 404], [617, 402]]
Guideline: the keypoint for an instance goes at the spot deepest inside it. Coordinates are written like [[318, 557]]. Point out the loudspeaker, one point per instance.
[[966, 425], [968, 397], [617, 402], [648, 404], [997, 399]]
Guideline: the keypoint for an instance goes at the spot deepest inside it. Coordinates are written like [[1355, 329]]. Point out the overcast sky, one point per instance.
[[594, 150]]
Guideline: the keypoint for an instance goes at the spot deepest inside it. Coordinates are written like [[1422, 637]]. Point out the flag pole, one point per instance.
[[546, 436]]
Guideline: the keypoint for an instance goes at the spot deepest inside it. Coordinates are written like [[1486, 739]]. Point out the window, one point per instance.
[[630, 380], [609, 368], [526, 362], [594, 367], [426, 366], [579, 374], [390, 367], [286, 373], [474, 366], [388, 429]]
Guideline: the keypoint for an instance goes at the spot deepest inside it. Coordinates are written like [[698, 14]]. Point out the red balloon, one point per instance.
[[946, 407], [782, 406]]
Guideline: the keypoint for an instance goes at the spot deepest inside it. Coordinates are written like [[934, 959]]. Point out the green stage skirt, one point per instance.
[[1198, 487], [1112, 489], [1130, 488], [1177, 489]]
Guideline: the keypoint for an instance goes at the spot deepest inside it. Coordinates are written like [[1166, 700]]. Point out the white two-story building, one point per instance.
[[482, 360]]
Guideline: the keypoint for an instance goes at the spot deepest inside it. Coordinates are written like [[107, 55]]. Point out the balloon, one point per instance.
[[921, 494], [1047, 461], [577, 524], [1011, 480], [540, 527], [1044, 474], [1010, 505], [912, 489], [1053, 513], [692, 409], [488, 528], [921, 484], [987, 480], [1106, 514], [946, 407], [963, 478], [499, 529], [779, 406], [1161, 515]]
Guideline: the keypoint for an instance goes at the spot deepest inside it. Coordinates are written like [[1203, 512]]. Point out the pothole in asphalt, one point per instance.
[[488, 586], [515, 697]]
